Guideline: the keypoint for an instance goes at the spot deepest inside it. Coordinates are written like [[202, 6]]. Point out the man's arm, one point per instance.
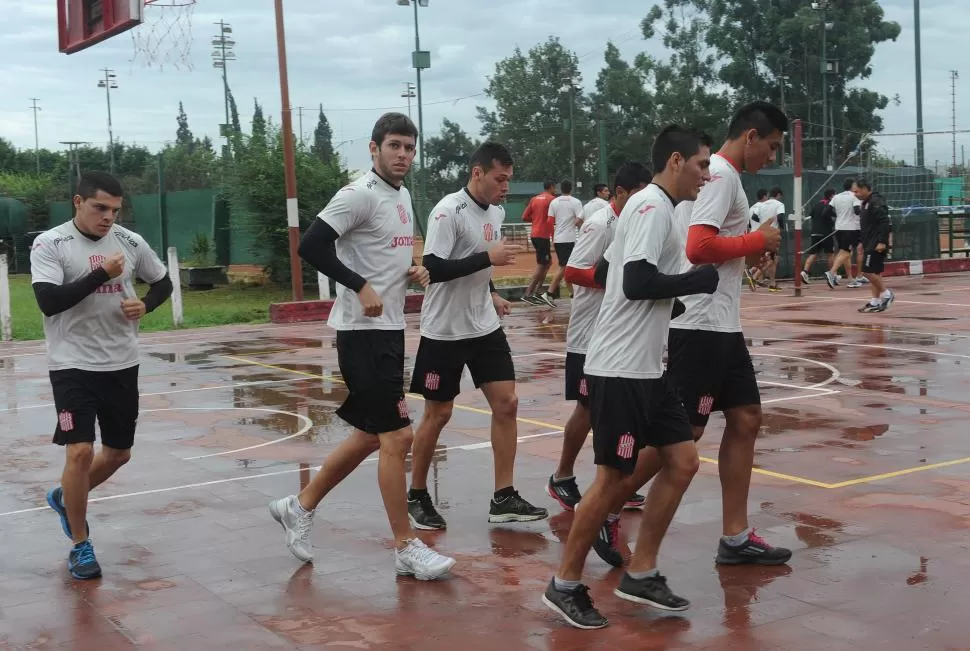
[[158, 292], [54, 299], [883, 222], [705, 245], [590, 245], [319, 248]]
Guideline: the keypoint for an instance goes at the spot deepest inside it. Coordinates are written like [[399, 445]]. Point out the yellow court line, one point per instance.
[[899, 473], [780, 475]]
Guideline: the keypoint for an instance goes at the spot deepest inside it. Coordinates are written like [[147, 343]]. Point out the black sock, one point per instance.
[[415, 493], [505, 493]]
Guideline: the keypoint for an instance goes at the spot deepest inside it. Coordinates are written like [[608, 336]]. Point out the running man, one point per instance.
[[537, 214], [364, 240], [708, 357], [823, 235], [848, 234], [632, 403], [461, 326], [83, 274], [876, 226], [566, 215], [772, 211]]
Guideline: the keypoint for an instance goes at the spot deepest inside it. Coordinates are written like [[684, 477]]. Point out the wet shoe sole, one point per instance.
[[554, 608], [646, 602]]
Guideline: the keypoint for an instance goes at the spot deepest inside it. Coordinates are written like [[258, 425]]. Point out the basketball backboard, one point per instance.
[[83, 23]]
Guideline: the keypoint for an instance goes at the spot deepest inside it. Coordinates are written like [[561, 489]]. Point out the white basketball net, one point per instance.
[[165, 35]]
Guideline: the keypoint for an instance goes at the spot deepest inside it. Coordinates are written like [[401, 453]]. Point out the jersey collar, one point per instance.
[[389, 184], [483, 206], [730, 161], [93, 238]]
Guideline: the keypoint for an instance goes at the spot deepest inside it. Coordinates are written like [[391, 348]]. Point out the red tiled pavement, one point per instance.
[[192, 559]]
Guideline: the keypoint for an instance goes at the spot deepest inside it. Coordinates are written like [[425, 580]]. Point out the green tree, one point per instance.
[[183, 135], [258, 135], [36, 192], [763, 42], [447, 157], [322, 146]]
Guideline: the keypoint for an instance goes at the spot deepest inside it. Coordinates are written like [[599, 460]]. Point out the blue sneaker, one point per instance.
[[55, 500], [81, 562]]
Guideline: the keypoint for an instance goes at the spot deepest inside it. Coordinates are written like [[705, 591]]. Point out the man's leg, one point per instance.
[[420, 505], [562, 484], [75, 482], [105, 464]]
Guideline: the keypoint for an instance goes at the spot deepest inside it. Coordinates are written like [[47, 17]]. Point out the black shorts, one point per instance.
[[848, 240], [874, 262], [108, 397], [439, 364], [543, 250], [576, 386], [712, 371], [822, 244], [372, 366], [629, 414], [563, 251]]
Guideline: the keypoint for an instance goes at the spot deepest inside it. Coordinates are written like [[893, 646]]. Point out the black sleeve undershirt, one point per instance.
[[602, 269], [643, 282], [158, 293], [54, 299], [491, 287], [319, 248], [442, 270]]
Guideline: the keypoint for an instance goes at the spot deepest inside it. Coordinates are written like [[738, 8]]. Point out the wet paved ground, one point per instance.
[[860, 470]]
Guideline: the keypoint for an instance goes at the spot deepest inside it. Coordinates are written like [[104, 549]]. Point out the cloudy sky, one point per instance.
[[354, 58]]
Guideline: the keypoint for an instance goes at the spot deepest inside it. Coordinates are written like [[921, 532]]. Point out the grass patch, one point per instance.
[[226, 305]]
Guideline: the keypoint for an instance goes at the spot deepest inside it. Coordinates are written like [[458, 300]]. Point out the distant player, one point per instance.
[[364, 240], [632, 403], [601, 199], [772, 211], [461, 327], [83, 274], [566, 214], [823, 235], [537, 214], [876, 226], [848, 234]]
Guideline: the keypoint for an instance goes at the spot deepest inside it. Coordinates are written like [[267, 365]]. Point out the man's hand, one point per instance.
[[502, 254], [370, 301], [880, 248], [114, 265], [502, 306], [772, 235], [133, 308], [419, 275]]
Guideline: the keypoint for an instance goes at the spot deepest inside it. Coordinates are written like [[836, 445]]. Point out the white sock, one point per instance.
[[886, 293], [875, 301]]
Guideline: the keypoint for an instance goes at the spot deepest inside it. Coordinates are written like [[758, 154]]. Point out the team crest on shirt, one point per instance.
[[65, 420], [704, 405], [403, 214], [402, 408], [583, 389], [489, 232], [432, 381], [96, 261], [624, 448]]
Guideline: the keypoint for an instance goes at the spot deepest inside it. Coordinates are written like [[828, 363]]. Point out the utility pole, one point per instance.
[[569, 85], [954, 75], [919, 88], [783, 78], [108, 83], [420, 60], [36, 108], [222, 53], [299, 111], [73, 164]]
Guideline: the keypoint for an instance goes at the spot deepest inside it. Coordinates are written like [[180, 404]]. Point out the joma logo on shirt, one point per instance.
[[402, 240], [646, 209], [109, 288]]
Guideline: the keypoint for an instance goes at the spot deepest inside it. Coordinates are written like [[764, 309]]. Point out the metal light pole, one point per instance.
[[36, 108], [108, 83], [220, 55], [572, 131], [824, 6], [954, 75], [421, 60], [289, 160], [409, 94], [919, 88]]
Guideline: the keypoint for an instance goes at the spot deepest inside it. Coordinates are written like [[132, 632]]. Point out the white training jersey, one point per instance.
[[594, 238], [754, 218], [462, 308], [771, 208], [565, 209], [722, 204], [94, 335], [629, 336], [845, 205], [593, 206], [375, 222]]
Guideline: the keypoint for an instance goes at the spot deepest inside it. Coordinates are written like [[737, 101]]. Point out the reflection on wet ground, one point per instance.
[[860, 469]]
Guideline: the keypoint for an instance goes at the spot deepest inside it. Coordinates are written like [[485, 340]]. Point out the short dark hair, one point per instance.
[[776, 192], [764, 117], [864, 183], [90, 182], [599, 187], [762, 193], [549, 185], [397, 124], [675, 139], [631, 176], [848, 184], [488, 153], [566, 187], [829, 193]]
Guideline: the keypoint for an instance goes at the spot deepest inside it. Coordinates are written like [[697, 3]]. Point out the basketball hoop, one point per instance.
[[165, 35]]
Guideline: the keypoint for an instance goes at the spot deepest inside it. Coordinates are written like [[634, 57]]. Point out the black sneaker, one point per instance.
[[545, 299], [635, 501], [606, 543], [532, 300], [869, 307], [753, 551], [652, 591], [515, 509], [575, 606], [564, 491], [81, 562], [422, 514]]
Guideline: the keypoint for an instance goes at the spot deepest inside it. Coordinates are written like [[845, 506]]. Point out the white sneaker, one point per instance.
[[296, 523], [421, 562], [805, 278]]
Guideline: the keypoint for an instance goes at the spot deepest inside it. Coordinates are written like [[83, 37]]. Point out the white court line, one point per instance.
[[173, 391], [488, 444], [878, 346], [307, 426], [818, 385]]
